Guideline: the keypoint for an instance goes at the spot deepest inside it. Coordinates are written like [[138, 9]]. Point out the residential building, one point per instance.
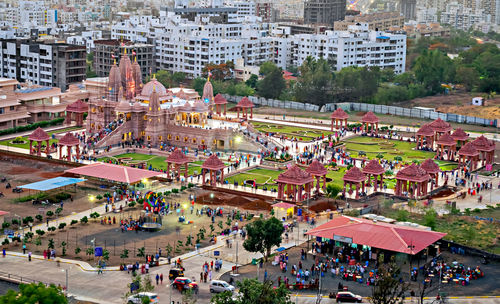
[[45, 64], [12, 112], [324, 11], [464, 18], [376, 21], [424, 30], [265, 11], [108, 51], [408, 8]]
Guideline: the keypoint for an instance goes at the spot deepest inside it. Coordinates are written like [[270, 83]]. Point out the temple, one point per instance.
[[155, 116]]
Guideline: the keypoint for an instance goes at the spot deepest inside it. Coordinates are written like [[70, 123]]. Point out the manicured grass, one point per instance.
[[288, 131], [26, 145]]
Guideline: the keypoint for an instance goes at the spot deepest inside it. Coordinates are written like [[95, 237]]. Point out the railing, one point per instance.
[[14, 278]]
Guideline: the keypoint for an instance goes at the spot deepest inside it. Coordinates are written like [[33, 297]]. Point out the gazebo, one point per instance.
[[69, 140], [178, 159], [78, 108], [318, 171], [468, 153], [220, 101], [294, 179], [460, 137], [427, 133], [446, 141], [354, 177], [244, 105], [375, 170], [213, 164], [412, 178], [370, 119], [341, 116], [486, 149], [439, 127], [432, 169], [39, 135]]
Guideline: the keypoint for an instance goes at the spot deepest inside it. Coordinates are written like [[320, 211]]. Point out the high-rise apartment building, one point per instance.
[[324, 11], [408, 8]]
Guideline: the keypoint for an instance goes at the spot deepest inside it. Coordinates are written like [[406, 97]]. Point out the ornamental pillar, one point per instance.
[[77, 151], [60, 151], [168, 170], [343, 191], [202, 175], [47, 150], [68, 156]]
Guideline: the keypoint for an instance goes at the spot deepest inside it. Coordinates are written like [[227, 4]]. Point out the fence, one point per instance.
[[276, 103], [409, 112]]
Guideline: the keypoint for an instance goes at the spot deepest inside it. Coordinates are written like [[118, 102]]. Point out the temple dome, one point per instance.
[[153, 85], [208, 92]]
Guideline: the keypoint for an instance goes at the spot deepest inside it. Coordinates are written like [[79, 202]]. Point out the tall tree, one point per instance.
[[273, 83], [433, 68], [252, 291], [34, 293], [223, 71], [314, 85], [388, 289], [263, 235]]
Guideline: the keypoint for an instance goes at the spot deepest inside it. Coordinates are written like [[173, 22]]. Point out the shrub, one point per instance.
[[99, 197], [190, 185], [40, 232], [84, 220], [51, 229], [131, 204], [61, 226], [32, 126], [5, 225], [62, 196], [73, 222], [5, 242], [175, 190], [15, 222], [183, 188], [50, 213], [39, 217], [59, 210]]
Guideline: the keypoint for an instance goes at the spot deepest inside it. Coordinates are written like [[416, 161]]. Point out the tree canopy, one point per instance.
[[315, 81], [388, 289], [223, 71], [273, 83], [252, 291], [263, 235], [34, 294]]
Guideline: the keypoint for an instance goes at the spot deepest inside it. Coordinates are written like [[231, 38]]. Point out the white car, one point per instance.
[[217, 286], [137, 298]]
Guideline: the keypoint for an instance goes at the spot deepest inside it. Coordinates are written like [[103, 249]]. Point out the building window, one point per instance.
[[2, 110], [177, 138]]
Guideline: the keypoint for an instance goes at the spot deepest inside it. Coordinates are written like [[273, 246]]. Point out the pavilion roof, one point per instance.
[[295, 176], [373, 167], [245, 103], [446, 140], [354, 175], [117, 173], [413, 173], [77, 107], [440, 125], [468, 150], [425, 130], [39, 135], [316, 168], [219, 99], [213, 163], [483, 144], [339, 114], [430, 166], [177, 157], [69, 140], [459, 134], [370, 118]]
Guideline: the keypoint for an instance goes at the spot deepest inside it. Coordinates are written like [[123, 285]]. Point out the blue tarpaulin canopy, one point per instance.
[[52, 183]]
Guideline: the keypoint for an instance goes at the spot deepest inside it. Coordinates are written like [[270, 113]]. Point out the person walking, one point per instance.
[[29, 256], [161, 278], [157, 279]]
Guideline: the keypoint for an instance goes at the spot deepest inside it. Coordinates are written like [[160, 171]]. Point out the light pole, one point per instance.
[[66, 286]]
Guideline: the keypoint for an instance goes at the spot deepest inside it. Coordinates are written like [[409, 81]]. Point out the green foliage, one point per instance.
[[315, 83], [27, 198], [430, 218], [63, 245], [105, 255], [388, 289], [27, 220], [52, 228], [34, 293], [38, 241], [78, 250], [273, 83], [33, 126], [39, 217], [73, 222], [89, 251], [253, 291], [51, 244], [175, 191], [5, 225], [124, 254], [252, 81], [49, 213], [40, 232], [432, 68], [333, 190], [402, 215], [62, 196], [84, 220], [62, 226], [263, 235], [94, 215], [141, 252], [99, 197], [132, 204], [15, 222], [59, 210], [357, 83], [5, 242]]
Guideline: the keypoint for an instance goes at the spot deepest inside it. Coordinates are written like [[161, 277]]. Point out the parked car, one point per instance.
[[183, 283], [348, 297], [174, 273], [137, 298], [217, 286]]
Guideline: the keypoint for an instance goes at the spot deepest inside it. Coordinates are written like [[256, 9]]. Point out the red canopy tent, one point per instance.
[[378, 235]]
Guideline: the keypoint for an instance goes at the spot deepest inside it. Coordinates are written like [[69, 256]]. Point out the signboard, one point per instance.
[[98, 251], [216, 253], [343, 239]]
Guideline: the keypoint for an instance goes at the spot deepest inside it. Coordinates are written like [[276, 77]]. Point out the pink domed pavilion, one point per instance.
[[341, 116], [486, 149], [220, 101], [375, 170], [439, 127], [354, 177], [430, 166], [78, 108], [318, 171], [244, 105], [69, 140], [370, 119], [427, 133], [446, 141], [410, 179], [294, 179], [178, 159], [460, 137], [468, 153], [39, 135], [213, 164]]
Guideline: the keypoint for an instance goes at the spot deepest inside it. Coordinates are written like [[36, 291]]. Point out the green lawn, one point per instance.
[[300, 133], [157, 162], [390, 149], [8, 142]]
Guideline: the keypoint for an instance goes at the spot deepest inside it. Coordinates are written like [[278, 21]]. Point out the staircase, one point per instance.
[[114, 137]]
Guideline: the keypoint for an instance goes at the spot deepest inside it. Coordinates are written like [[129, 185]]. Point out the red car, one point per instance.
[[183, 283]]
